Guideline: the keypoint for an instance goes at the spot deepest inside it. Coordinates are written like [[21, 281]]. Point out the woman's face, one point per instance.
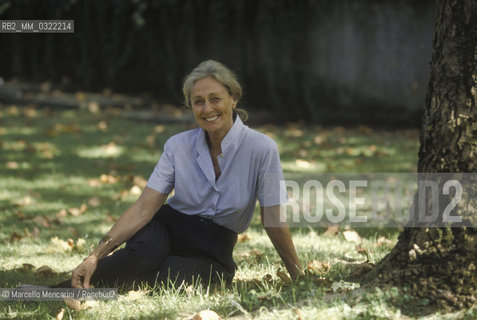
[[212, 106]]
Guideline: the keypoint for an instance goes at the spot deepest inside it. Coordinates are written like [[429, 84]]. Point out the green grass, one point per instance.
[[54, 160]]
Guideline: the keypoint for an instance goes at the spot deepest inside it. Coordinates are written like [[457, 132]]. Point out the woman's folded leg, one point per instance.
[[142, 255], [176, 269]]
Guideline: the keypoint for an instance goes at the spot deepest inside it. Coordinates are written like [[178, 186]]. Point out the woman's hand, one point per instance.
[[83, 272], [279, 234]]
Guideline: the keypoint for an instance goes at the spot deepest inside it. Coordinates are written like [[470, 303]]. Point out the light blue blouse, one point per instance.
[[250, 170]]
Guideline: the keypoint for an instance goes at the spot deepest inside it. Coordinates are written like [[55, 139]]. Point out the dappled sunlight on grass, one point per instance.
[[105, 151], [70, 174]]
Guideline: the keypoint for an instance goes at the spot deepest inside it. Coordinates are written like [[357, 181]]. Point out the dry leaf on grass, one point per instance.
[[61, 214], [383, 241], [206, 315], [45, 271], [20, 215], [106, 178], [135, 191], [73, 304], [12, 165], [136, 294], [318, 267], [60, 314], [352, 236], [109, 217], [267, 278], [42, 221], [94, 201], [57, 245], [243, 237], [298, 314], [78, 211], [28, 267], [80, 245], [14, 236], [139, 181], [331, 231], [89, 304]]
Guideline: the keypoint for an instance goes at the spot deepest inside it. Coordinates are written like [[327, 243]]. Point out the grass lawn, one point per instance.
[[66, 176]]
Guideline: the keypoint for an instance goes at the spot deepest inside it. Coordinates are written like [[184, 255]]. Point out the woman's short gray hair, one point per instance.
[[217, 71]]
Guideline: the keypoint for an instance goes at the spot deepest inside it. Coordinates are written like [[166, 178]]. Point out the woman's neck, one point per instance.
[[214, 142]]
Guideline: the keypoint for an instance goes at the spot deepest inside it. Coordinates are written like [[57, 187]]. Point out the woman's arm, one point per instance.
[[131, 221], [279, 234]]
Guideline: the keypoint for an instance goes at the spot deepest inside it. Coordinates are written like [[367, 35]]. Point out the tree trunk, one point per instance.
[[439, 263]]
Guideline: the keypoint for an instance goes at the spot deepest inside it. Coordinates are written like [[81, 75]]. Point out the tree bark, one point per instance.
[[439, 263]]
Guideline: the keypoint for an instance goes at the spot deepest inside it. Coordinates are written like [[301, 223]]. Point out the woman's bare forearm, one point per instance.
[[279, 234], [131, 221]]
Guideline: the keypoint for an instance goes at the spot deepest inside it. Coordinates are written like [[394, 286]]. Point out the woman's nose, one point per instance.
[[207, 105]]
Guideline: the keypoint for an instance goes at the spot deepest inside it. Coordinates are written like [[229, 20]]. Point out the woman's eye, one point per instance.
[[198, 102], [215, 100]]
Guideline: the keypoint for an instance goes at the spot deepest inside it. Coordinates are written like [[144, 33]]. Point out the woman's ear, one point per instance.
[[234, 103]]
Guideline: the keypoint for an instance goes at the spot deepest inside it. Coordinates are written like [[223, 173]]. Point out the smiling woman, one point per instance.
[[217, 172]]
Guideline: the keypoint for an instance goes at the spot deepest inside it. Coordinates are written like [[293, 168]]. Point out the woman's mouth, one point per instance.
[[212, 118]]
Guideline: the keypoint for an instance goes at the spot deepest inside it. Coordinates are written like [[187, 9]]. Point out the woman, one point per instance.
[[217, 171]]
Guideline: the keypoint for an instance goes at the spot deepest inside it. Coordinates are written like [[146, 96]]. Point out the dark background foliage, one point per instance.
[[318, 61]]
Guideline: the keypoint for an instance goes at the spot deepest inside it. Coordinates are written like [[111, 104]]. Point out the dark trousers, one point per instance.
[[172, 247]]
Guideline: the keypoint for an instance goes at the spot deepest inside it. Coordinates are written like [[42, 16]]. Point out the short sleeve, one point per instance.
[[162, 178], [271, 183]]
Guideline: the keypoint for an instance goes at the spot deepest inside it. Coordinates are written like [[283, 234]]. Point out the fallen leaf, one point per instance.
[[20, 215], [110, 218], [34, 234], [60, 314], [73, 304], [106, 178], [159, 129], [80, 245], [25, 201], [93, 107], [70, 242], [331, 231], [318, 267], [298, 314], [78, 211], [352, 236], [363, 251], [383, 241], [42, 221], [57, 245], [267, 278], [302, 163], [45, 271], [136, 294], [243, 237], [14, 237], [102, 126], [62, 213], [135, 191], [111, 149], [139, 181], [89, 304], [206, 315], [94, 202], [28, 267], [94, 182], [12, 165]]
